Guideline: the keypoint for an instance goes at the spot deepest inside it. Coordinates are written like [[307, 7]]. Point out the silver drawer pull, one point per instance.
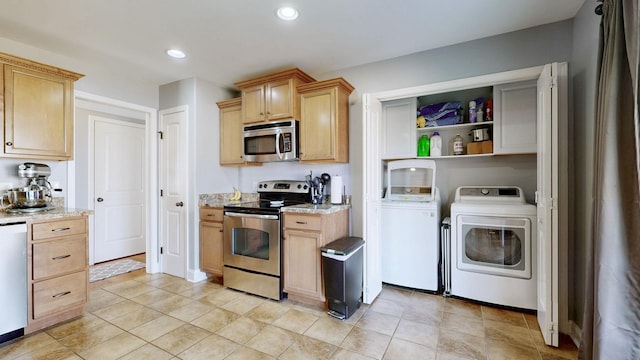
[[61, 257], [301, 222], [61, 294], [62, 229]]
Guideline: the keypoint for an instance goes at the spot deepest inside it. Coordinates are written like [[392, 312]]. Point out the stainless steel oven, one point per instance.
[[253, 240]]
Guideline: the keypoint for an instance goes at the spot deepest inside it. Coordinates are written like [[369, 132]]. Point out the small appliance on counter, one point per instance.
[[36, 196]]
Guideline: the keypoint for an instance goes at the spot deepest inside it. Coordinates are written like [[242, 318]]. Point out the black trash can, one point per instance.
[[342, 274]]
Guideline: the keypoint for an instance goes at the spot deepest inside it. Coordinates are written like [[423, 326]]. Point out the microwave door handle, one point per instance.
[[278, 139]]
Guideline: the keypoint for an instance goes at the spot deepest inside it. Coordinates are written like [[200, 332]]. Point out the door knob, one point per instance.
[[180, 203], [99, 199]]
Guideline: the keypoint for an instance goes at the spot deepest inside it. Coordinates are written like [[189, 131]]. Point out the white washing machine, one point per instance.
[[493, 246], [410, 228]]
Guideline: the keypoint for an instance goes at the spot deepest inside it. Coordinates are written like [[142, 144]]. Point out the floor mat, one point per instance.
[[104, 271]]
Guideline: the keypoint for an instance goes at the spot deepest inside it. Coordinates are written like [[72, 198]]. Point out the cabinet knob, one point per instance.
[[180, 204], [99, 199], [9, 143]]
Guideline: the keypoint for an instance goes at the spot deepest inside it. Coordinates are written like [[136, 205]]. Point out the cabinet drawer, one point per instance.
[[55, 257], [60, 228], [58, 294], [211, 214], [306, 222]]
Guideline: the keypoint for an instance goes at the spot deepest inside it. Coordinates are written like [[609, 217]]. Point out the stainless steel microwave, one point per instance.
[[271, 141]]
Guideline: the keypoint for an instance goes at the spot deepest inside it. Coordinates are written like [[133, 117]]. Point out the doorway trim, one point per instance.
[[151, 171]]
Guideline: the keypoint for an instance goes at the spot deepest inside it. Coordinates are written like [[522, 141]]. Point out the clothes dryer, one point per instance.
[[493, 246]]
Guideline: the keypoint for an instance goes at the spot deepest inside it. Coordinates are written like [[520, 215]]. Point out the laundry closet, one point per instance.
[[526, 148]]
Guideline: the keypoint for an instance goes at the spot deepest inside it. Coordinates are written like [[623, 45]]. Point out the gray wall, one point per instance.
[[584, 75], [516, 50]]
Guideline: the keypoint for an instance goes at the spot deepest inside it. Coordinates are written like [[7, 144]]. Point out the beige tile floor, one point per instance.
[[145, 316]]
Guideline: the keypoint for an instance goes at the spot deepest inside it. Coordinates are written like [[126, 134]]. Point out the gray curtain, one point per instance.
[[611, 328]]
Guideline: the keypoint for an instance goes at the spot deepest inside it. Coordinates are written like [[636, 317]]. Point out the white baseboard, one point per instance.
[[575, 333], [196, 276]]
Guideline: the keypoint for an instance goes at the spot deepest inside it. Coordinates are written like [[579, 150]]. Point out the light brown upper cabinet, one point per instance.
[[272, 97], [231, 132], [324, 121], [38, 110]]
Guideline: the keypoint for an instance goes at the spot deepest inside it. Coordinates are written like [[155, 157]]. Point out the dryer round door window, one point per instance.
[[491, 245]]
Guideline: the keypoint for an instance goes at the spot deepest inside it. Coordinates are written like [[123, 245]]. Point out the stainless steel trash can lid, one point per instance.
[[343, 246]]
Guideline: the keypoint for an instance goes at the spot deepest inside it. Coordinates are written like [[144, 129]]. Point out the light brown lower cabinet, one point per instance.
[[211, 240], [58, 270], [304, 236]]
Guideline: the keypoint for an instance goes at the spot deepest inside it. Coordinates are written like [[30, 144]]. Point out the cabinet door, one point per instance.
[[302, 271], [317, 125], [38, 115], [279, 99], [515, 114], [253, 108], [211, 247], [231, 136], [399, 129]]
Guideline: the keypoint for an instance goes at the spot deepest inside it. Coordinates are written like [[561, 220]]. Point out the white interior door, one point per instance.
[[372, 108], [547, 204], [173, 184], [119, 188]]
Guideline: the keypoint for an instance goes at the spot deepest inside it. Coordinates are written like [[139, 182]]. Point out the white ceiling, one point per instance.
[[232, 40]]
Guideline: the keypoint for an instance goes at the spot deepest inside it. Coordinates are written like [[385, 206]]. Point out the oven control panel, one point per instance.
[[284, 186]]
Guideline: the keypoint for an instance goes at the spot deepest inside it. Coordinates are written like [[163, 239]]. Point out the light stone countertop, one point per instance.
[[220, 200], [57, 213], [314, 209]]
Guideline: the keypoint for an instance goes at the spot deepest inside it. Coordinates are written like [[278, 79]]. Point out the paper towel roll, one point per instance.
[[336, 189]]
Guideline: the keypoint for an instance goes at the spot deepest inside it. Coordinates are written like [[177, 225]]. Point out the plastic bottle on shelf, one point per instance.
[[423, 146], [480, 114], [458, 145], [489, 111], [472, 111], [435, 144]]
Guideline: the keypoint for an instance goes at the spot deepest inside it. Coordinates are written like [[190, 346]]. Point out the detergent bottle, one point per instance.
[[436, 144], [423, 146]]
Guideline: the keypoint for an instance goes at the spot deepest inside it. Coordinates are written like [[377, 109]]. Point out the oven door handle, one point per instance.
[[253, 216]]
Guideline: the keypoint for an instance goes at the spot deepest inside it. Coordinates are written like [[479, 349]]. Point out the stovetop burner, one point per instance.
[[30, 210], [274, 195]]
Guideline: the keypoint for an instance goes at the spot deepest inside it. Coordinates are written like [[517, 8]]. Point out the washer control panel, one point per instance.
[[490, 193]]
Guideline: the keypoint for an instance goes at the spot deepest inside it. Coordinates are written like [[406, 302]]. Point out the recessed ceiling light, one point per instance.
[[175, 53], [287, 13]]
